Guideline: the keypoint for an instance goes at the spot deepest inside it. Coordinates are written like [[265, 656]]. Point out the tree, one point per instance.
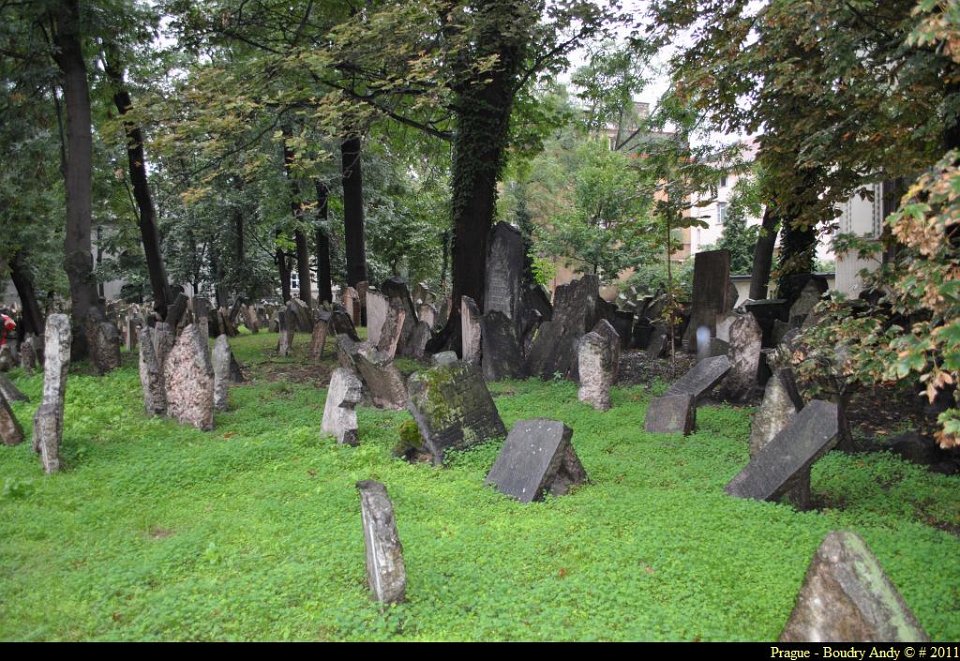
[[736, 237]]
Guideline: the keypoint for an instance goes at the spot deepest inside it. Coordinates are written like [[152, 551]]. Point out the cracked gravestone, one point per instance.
[[672, 414], [386, 574], [453, 408], [188, 380], [701, 378], [537, 458], [847, 597], [339, 411]]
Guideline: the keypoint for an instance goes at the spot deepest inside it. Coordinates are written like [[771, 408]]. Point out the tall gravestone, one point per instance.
[[846, 597], [250, 319], [711, 294], [28, 353], [505, 259], [188, 379], [350, 300], [391, 330], [745, 339], [428, 315], [453, 408], [11, 433], [339, 411], [103, 340], [537, 458], [396, 291], [417, 346], [501, 354], [318, 339], [554, 349], [377, 306], [287, 323], [470, 330], [386, 574], [48, 421], [596, 369], [155, 344], [222, 358]]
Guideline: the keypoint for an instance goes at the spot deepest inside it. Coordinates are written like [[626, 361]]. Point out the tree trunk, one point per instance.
[[797, 250], [78, 261], [324, 288], [763, 255], [23, 281], [303, 267], [296, 208], [283, 265], [136, 161], [356, 252]]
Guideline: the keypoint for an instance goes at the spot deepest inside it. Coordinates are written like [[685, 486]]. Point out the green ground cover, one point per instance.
[[252, 532]]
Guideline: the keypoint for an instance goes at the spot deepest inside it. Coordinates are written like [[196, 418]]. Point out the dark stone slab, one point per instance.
[[421, 335], [623, 323], [554, 349], [10, 391], [718, 347], [341, 323], [11, 433], [672, 414], [501, 357], [386, 574], [318, 339], [287, 324], [347, 351], [774, 469], [505, 259], [537, 458], [846, 597], [176, 310], [702, 377], [453, 408], [711, 294], [397, 292], [642, 332], [301, 313], [659, 340], [768, 311]]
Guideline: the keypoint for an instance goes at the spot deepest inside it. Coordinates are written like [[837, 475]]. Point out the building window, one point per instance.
[[723, 181], [877, 210], [721, 212]]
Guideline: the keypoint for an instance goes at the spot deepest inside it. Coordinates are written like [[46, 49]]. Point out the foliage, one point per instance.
[[252, 531], [736, 236]]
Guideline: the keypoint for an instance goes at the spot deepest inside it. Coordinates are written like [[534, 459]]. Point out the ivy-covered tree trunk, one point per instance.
[[324, 288], [23, 281], [283, 267], [303, 267], [763, 255], [356, 251], [78, 260], [136, 161]]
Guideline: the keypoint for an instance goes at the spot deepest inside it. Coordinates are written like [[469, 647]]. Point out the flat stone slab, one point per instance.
[[537, 458], [771, 473], [339, 411], [221, 359], [386, 573], [453, 408], [702, 377], [846, 597], [502, 358], [672, 414]]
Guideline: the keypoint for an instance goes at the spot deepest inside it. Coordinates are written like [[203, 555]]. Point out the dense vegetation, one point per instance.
[[252, 532]]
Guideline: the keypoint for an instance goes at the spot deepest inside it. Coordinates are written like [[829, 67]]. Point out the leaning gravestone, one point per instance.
[[382, 378], [428, 315], [339, 412], [222, 357], [808, 299], [500, 348], [154, 346], [417, 345], [504, 271], [596, 369], [453, 408], [347, 351], [250, 319], [701, 378], [846, 597], [537, 458], [386, 574], [341, 324], [10, 391], [377, 306], [396, 291], [48, 421], [470, 330], [301, 313], [783, 462], [11, 433], [188, 379], [391, 330], [350, 300], [554, 349], [711, 294], [672, 414], [745, 343], [781, 403]]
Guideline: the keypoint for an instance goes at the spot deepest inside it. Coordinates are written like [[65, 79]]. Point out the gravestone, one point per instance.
[[781, 403], [642, 333], [672, 414], [176, 311], [250, 319], [386, 574], [188, 380], [131, 333], [28, 353], [417, 346], [554, 349], [470, 330], [235, 375], [505, 259], [792, 286], [745, 342], [11, 433], [392, 328], [301, 314], [444, 314], [377, 306], [154, 347], [701, 378], [318, 339], [623, 324], [453, 408], [718, 347], [444, 358], [537, 458], [767, 312], [428, 315], [659, 340], [724, 322], [7, 362], [395, 289], [711, 294], [808, 298], [606, 329], [784, 463], [103, 341], [286, 322], [596, 369], [48, 421], [501, 357], [339, 412], [340, 323], [347, 351], [222, 357], [381, 376], [846, 597], [263, 317], [201, 315], [350, 300]]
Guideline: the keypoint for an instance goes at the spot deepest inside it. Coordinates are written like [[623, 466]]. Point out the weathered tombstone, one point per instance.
[[301, 313], [339, 412], [417, 345], [222, 357], [428, 315], [444, 314], [176, 310], [718, 347], [341, 324], [807, 300], [28, 354], [131, 334], [350, 300], [659, 340], [453, 408], [250, 319], [287, 322], [596, 370], [386, 574], [554, 349], [785, 461], [672, 414], [201, 315], [606, 329], [724, 322], [391, 329], [768, 312], [781, 403], [470, 331], [444, 358], [537, 458], [501, 357], [103, 340], [701, 378], [395, 289], [623, 324], [48, 421], [745, 342], [318, 339], [347, 351], [732, 295], [846, 597], [711, 294], [505, 258], [188, 380], [381, 376], [11, 433], [377, 306], [151, 370]]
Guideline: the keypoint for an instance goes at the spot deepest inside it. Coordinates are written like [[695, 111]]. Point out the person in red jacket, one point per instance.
[[7, 326]]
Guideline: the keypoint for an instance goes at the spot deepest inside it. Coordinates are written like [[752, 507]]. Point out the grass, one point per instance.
[[252, 532]]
